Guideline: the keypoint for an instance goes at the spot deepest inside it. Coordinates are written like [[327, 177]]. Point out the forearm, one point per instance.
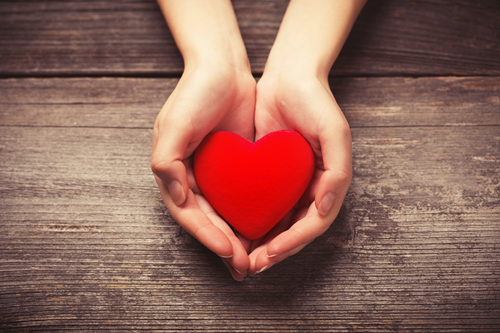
[[206, 32], [312, 34]]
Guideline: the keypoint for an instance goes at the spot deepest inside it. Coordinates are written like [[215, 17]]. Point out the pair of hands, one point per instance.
[[212, 99], [218, 92]]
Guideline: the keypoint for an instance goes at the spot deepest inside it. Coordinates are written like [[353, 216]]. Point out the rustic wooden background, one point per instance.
[[87, 244]]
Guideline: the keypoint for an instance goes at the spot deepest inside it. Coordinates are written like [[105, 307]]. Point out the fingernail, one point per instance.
[[239, 271], [176, 192], [326, 203], [239, 280], [226, 257], [262, 269], [271, 255]]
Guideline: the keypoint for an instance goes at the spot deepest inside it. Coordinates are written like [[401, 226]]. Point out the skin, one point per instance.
[[215, 92], [218, 92]]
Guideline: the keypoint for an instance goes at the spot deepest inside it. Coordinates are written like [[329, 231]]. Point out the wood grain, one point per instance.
[[135, 103], [86, 242], [43, 38]]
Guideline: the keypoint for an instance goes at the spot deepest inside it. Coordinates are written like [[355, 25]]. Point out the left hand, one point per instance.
[[203, 101], [216, 92]]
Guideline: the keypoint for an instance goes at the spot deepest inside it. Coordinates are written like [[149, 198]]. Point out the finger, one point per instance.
[[301, 233], [188, 164], [252, 270], [264, 262], [239, 260], [192, 219], [336, 148], [261, 248], [167, 157], [234, 273], [309, 226], [247, 244], [263, 259], [310, 192]]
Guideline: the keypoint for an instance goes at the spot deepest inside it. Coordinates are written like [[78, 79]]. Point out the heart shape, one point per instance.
[[253, 185]]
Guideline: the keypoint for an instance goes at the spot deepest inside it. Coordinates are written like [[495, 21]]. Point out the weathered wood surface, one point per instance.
[[135, 102], [391, 37], [86, 243]]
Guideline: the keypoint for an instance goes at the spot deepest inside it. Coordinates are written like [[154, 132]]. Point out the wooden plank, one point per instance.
[[426, 101], [109, 38], [423, 38], [86, 243], [134, 103], [108, 102], [53, 38], [44, 38]]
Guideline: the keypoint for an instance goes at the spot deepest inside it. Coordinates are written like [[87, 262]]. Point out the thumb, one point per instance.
[[337, 160], [166, 162]]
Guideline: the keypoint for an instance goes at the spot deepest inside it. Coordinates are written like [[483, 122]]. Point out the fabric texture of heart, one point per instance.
[[253, 185]]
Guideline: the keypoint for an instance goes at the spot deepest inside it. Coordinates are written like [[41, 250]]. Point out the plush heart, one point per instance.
[[253, 185]]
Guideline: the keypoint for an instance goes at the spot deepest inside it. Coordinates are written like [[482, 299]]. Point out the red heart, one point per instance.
[[253, 185]]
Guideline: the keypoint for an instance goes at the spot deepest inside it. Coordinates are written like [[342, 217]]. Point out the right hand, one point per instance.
[[301, 101]]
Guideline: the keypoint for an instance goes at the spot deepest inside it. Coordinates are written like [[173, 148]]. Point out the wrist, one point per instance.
[[311, 36], [206, 33], [283, 65], [288, 75], [223, 60], [294, 56]]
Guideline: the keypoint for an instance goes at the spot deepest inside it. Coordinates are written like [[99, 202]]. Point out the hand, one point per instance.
[[216, 92], [293, 93], [206, 99], [306, 105]]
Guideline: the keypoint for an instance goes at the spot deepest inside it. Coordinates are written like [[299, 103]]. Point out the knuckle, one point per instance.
[[158, 166], [343, 177], [344, 131]]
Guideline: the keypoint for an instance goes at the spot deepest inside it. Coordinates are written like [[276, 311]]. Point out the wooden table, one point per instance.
[[87, 244]]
